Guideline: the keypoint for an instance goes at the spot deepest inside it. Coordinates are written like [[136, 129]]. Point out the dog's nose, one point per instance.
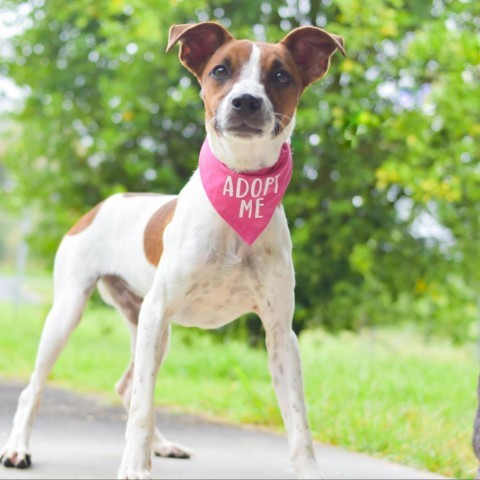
[[246, 104]]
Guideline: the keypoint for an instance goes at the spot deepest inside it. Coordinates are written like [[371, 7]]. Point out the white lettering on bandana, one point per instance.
[[246, 201]]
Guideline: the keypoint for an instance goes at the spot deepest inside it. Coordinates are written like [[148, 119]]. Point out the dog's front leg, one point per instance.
[[286, 371], [152, 343]]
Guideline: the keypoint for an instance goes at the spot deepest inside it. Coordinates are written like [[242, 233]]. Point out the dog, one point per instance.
[[218, 250]]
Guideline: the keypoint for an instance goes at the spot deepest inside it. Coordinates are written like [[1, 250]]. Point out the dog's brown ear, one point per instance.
[[199, 41], [311, 48]]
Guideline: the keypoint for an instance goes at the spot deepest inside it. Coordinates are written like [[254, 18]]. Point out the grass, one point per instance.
[[389, 395]]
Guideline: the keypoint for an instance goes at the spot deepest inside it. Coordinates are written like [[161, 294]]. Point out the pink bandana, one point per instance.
[[246, 201]]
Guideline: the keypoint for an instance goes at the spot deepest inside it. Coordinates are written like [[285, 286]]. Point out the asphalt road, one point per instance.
[[79, 437]]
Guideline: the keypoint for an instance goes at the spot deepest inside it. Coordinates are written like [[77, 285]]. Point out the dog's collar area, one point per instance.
[[246, 201], [285, 153]]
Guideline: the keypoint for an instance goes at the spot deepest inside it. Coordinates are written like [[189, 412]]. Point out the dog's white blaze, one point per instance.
[[249, 81], [251, 70]]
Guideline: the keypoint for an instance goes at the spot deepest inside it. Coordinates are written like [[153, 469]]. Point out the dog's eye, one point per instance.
[[282, 77], [220, 71]]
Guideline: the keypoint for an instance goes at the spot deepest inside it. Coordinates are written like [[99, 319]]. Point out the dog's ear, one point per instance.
[[199, 41], [311, 48]]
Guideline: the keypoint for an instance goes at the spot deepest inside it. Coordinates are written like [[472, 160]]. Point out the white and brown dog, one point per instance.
[[160, 259]]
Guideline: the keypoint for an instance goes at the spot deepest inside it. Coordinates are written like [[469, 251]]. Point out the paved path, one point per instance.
[[79, 437]]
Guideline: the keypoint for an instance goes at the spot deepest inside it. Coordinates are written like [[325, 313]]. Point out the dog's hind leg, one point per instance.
[[72, 291], [117, 293]]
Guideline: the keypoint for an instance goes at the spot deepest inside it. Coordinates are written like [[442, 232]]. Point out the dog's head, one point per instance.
[[251, 89]]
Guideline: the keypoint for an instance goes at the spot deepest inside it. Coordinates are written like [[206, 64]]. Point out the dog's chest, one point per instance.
[[225, 285], [214, 276]]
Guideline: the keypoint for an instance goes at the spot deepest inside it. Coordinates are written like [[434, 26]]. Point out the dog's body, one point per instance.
[[161, 259]]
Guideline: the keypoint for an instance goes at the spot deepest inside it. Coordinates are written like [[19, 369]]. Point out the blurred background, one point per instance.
[[383, 207]]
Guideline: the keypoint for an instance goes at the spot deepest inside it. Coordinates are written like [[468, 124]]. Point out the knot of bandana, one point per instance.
[[246, 201]]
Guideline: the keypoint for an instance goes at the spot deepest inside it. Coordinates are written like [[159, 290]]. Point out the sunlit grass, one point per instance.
[[388, 394]]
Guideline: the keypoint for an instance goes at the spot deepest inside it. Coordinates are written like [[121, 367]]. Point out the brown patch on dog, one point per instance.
[[274, 60], [123, 296], [85, 221], [198, 43], [153, 235]]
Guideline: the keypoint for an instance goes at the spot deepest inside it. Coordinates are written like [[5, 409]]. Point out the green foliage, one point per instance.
[[387, 140]]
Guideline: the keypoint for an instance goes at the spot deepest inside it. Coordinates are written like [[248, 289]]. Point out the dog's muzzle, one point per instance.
[[247, 115]]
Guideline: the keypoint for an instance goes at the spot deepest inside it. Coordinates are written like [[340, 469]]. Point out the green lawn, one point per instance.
[[389, 395]]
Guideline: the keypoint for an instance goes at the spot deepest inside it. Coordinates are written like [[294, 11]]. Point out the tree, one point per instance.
[[384, 149]]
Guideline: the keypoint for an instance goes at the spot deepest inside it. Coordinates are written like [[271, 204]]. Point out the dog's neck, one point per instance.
[[248, 154]]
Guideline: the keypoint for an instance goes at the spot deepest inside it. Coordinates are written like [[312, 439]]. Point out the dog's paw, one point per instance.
[[127, 474], [15, 459], [309, 469], [134, 467], [171, 450]]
